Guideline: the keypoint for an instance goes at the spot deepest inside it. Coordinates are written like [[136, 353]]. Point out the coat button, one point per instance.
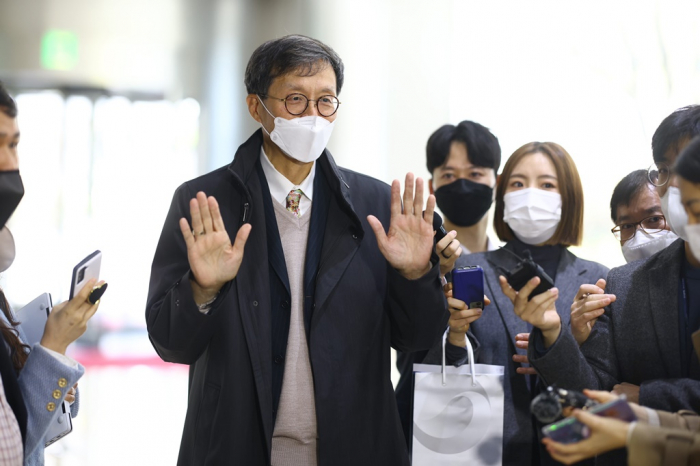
[[279, 359], [57, 394], [62, 382], [285, 304], [354, 236], [255, 303], [51, 406]]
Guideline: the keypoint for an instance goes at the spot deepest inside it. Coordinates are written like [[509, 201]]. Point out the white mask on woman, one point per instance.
[[644, 245], [533, 214], [674, 212], [693, 234], [302, 139]]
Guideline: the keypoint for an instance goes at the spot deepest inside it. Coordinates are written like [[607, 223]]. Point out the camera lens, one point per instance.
[[81, 274]]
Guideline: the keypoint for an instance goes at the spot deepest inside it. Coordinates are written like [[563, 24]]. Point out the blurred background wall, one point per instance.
[[123, 100]]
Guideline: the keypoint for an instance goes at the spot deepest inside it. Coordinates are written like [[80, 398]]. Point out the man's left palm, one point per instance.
[[409, 243]]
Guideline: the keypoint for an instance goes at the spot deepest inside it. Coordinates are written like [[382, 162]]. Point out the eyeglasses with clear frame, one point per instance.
[[296, 104], [659, 174], [651, 224]]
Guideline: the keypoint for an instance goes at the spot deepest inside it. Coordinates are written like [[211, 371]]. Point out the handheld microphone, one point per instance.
[[440, 231]]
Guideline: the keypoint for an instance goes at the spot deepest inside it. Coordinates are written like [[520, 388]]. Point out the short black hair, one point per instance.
[[627, 189], [293, 53], [683, 123], [7, 103], [483, 148], [688, 163]]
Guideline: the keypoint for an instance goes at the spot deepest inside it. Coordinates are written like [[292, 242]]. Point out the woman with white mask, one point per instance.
[[539, 213], [640, 225]]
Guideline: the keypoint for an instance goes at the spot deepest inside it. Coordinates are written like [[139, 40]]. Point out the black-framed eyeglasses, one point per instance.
[[296, 104], [652, 224], [659, 174]]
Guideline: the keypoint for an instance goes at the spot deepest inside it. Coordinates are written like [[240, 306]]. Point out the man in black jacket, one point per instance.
[[288, 330]]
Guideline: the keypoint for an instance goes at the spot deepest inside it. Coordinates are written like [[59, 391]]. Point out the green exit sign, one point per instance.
[[59, 50]]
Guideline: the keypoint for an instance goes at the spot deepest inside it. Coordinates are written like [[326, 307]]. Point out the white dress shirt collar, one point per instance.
[[280, 186]]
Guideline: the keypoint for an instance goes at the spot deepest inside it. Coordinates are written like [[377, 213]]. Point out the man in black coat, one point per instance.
[[229, 310]]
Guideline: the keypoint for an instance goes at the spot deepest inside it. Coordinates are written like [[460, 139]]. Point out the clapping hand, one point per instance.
[[409, 243], [214, 261]]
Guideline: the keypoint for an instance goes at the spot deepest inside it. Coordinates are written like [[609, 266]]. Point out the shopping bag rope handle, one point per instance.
[[470, 354]]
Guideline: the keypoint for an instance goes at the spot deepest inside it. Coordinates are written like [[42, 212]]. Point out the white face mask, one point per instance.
[[533, 214], [302, 139], [7, 249], [674, 212], [693, 234], [645, 244]]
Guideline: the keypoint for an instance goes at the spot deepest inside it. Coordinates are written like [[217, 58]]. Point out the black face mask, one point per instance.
[[464, 202], [11, 192]]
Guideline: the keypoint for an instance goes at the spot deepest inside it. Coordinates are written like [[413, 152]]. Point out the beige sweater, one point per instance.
[[295, 437]]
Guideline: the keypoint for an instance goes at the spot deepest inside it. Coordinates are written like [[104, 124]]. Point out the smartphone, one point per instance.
[[86, 269], [570, 430], [468, 285]]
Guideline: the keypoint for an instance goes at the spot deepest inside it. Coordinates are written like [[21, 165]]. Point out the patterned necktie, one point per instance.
[[293, 201]]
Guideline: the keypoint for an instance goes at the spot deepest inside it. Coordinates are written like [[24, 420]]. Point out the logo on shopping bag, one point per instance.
[[450, 419]]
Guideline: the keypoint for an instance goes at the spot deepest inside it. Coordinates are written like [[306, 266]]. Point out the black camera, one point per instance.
[[525, 270], [548, 406]]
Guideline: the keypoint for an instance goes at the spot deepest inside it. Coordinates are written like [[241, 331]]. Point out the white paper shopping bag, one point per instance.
[[457, 413]]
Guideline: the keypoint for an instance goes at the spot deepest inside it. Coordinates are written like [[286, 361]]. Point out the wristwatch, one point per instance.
[[204, 307]]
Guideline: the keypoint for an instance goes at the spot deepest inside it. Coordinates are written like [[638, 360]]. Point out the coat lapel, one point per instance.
[[663, 300], [342, 238], [513, 323], [568, 281]]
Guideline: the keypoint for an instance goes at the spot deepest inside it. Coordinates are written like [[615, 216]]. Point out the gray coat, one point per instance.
[[635, 341], [493, 337], [38, 381]]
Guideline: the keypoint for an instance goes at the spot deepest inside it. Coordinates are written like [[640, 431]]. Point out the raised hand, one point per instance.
[[539, 311], [213, 259], [409, 243], [588, 305]]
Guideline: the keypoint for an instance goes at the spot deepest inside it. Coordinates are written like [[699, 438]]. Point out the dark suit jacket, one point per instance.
[[635, 341], [361, 307], [493, 337]]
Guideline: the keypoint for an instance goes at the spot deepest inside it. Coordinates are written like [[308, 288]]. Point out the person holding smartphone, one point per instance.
[[641, 344], [36, 380], [539, 212]]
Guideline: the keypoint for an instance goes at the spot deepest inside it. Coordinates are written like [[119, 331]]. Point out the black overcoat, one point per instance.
[[361, 307]]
